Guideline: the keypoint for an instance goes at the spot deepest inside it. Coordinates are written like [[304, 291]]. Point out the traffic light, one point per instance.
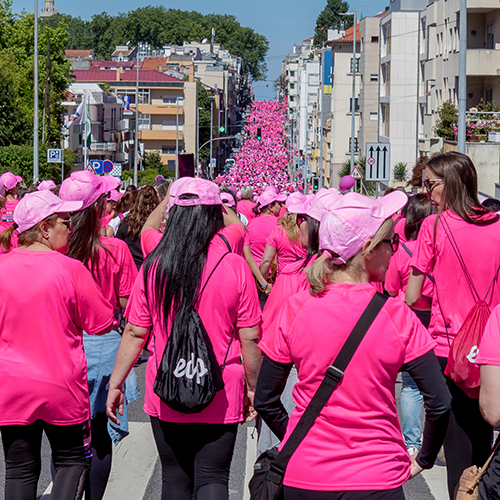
[[222, 129], [315, 183], [259, 133]]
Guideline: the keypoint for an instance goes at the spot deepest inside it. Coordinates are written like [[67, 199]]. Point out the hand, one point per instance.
[[249, 412], [268, 289], [415, 469], [115, 401]]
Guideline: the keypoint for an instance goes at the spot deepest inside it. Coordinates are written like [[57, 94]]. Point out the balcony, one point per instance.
[[122, 157], [161, 109], [483, 62], [103, 146], [159, 135]]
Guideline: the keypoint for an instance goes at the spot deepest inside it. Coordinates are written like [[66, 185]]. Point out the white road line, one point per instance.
[[250, 459], [134, 460], [436, 480]]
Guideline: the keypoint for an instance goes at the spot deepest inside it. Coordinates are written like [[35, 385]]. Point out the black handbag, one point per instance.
[[189, 376], [269, 469]]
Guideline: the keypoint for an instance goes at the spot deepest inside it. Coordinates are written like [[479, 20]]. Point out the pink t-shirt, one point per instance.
[[234, 233], [356, 442], [287, 250], [258, 230], [489, 348], [7, 214], [229, 302], [105, 220], [47, 299], [399, 226], [245, 207], [477, 246], [398, 273], [117, 271], [290, 281]]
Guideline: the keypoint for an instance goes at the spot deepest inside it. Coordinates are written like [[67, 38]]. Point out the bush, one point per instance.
[[399, 172], [447, 120]]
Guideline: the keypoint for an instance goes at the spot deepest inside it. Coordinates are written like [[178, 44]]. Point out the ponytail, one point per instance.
[[6, 238]]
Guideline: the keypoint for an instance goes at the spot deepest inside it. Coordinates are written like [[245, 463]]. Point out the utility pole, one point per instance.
[[462, 77], [211, 134], [46, 105], [176, 138], [136, 143], [320, 109], [35, 103]]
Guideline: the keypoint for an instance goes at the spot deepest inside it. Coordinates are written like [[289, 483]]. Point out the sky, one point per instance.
[[283, 22]]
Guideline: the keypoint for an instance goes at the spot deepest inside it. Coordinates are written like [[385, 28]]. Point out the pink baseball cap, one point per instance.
[[320, 201], [296, 203], [37, 206], [114, 195], [9, 180], [352, 219], [86, 187], [46, 185], [227, 199], [268, 196], [207, 192]]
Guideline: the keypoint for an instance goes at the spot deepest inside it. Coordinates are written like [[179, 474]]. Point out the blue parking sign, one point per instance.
[[54, 155]]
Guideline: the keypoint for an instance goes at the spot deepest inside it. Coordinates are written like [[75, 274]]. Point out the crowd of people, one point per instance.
[[243, 302]]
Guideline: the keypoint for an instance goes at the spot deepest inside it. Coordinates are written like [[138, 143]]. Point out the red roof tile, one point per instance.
[[77, 53], [109, 75]]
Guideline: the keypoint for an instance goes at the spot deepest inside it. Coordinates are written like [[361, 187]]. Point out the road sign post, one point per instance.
[[378, 161]]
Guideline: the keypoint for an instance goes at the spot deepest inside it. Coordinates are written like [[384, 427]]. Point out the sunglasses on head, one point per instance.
[[394, 242]]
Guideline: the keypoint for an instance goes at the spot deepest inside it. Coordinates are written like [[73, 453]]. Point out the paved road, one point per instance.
[[136, 471]]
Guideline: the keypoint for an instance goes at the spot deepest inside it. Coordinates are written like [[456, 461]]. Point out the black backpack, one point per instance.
[[189, 375]]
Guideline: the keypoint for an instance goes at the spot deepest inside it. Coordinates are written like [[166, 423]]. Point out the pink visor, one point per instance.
[[9, 180], [206, 192], [227, 199], [86, 187], [352, 219], [37, 206], [46, 185]]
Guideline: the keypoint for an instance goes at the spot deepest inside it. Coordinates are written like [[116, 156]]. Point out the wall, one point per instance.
[[486, 158]]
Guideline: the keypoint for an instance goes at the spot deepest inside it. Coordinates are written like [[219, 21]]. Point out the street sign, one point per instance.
[[378, 161], [308, 169], [356, 174], [95, 166], [107, 166], [54, 155]]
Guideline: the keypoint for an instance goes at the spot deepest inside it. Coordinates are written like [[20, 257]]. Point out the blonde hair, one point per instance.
[[26, 238], [320, 273], [289, 222]]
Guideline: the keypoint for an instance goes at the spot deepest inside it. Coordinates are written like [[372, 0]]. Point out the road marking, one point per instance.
[[251, 458]]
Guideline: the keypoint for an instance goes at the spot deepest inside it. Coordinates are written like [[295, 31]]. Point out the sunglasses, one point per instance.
[[394, 242], [65, 222], [430, 184], [300, 219]]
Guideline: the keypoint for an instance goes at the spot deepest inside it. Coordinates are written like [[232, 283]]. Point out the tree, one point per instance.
[[447, 120], [152, 160], [329, 17]]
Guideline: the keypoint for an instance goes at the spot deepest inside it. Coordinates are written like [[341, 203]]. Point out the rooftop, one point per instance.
[[110, 75]]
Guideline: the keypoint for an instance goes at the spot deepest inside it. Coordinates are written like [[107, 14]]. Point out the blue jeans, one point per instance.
[[411, 412]]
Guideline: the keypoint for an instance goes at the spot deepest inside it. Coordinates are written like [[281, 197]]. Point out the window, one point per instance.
[[374, 77], [169, 99], [144, 122], [374, 117], [488, 95], [385, 129], [292, 98], [311, 98], [356, 103], [168, 150], [374, 39], [292, 74], [356, 145], [292, 86], [490, 37], [356, 69], [314, 79]]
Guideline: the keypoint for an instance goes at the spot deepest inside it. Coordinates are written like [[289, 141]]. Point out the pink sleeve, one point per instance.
[[273, 344], [137, 311], [423, 255], [392, 282], [274, 235], [149, 240], [249, 312], [95, 312], [489, 348], [127, 271]]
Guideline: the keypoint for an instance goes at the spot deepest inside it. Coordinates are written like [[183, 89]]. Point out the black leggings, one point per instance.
[[469, 437], [195, 458], [70, 446], [296, 494]]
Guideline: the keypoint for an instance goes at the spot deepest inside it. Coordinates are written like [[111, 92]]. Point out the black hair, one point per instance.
[[177, 263], [313, 239], [419, 207], [492, 203]]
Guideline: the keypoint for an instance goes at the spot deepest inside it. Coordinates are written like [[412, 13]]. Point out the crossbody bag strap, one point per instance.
[[334, 375], [408, 251]]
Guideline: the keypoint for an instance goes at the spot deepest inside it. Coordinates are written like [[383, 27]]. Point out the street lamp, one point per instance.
[[35, 107], [177, 99], [198, 139], [353, 70]]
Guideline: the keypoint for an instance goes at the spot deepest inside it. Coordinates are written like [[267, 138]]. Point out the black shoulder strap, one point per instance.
[[208, 279], [408, 251], [334, 375], [224, 239]]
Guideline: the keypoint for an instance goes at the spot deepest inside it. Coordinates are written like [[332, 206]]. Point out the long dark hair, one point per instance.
[[84, 243], [312, 238], [177, 263], [460, 188], [419, 207]]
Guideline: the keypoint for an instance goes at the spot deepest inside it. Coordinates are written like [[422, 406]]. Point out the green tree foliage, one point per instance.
[[400, 172], [152, 160], [329, 17], [19, 160], [159, 26], [447, 119]]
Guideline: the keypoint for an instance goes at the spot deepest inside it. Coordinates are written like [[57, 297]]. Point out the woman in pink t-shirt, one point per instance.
[[113, 268], [9, 182], [46, 301], [354, 448], [195, 448], [464, 231]]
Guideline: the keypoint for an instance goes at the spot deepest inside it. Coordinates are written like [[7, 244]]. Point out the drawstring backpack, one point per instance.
[[461, 366]]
